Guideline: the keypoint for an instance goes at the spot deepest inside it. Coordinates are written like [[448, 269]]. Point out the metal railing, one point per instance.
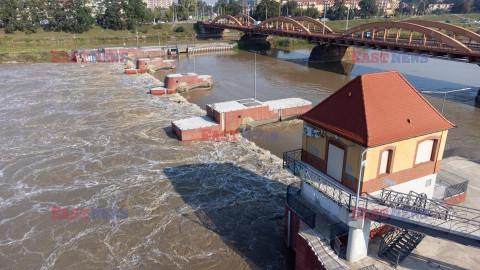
[[413, 209], [456, 189], [294, 202], [334, 261]]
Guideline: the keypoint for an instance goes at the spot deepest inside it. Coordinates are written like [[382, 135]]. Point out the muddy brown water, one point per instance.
[[282, 74], [86, 136]]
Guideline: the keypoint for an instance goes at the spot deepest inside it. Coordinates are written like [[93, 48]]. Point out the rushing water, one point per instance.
[[282, 74], [86, 136]]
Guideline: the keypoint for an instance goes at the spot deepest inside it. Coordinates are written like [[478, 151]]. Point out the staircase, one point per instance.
[[325, 254], [397, 244]]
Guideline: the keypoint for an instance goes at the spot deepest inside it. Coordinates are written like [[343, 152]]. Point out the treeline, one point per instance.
[[75, 16]]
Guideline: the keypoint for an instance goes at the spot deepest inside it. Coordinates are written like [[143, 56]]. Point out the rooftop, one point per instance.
[[377, 108]]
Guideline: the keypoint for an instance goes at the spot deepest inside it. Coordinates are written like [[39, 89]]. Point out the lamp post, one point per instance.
[[348, 14], [445, 94], [324, 16], [255, 76]]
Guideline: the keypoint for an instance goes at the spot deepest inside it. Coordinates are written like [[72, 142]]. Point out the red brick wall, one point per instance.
[[173, 82], [305, 257], [294, 227], [296, 110], [379, 231], [197, 134], [232, 122], [460, 198], [400, 177]]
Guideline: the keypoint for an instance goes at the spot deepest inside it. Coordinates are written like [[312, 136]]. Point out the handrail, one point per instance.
[[311, 231], [437, 214]]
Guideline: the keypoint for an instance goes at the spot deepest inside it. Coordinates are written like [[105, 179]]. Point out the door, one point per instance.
[[335, 162]]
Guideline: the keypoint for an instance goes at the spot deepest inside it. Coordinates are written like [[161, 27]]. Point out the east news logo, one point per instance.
[[92, 213]]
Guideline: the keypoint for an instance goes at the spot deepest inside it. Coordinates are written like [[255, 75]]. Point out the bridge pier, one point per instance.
[[330, 53], [258, 39], [210, 32]]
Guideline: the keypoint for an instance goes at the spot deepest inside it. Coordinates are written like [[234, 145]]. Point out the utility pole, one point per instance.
[[348, 14], [266, 10], [324, 17], [136, 32], [255, 76]]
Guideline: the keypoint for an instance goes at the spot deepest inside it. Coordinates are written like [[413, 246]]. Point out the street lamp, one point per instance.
[[445, 94], [255, 76]]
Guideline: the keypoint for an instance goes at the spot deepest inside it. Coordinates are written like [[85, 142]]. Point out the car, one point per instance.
[[365, 35], [257, 23], [448, 21], [465, 21]]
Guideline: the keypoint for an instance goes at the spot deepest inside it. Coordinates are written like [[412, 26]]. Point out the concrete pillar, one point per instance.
[[358, 238], [330, 53]]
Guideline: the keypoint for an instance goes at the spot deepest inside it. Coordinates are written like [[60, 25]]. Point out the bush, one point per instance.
[[180, 29], [9, 29], [157, 26], [144, 30]]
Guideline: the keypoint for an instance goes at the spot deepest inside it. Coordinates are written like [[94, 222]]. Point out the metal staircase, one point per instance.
[[411, 211], [397, 244]]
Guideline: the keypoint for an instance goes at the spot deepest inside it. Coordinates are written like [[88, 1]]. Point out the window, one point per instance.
[[424, 151], [384, 160]]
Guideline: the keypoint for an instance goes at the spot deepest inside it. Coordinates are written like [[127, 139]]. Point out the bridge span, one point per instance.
[[436, 39]]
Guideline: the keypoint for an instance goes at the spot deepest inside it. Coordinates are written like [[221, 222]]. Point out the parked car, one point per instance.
[[448, 21], [256, 23], [465, 21]]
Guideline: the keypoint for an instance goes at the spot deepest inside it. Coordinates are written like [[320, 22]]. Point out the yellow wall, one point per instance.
[[317, 146], [404, 154]]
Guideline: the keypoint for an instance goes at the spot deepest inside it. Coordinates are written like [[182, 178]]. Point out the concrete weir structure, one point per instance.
[[228, 117], [187, 82], [154, 64]]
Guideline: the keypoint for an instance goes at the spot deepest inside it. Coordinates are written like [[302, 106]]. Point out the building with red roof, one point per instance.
[[375, 134], [381, 112]]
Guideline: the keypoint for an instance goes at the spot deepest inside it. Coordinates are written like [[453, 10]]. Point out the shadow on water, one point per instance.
[[243, 208]]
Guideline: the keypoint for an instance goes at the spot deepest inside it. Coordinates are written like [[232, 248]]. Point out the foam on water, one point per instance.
[[88, 136]]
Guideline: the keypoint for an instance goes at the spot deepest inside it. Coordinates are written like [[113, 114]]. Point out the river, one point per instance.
[[88, 137]]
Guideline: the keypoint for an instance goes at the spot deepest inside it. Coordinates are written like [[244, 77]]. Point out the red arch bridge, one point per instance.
[[418, 36]]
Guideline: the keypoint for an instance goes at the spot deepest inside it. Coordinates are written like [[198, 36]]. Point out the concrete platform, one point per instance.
[[230, 116]]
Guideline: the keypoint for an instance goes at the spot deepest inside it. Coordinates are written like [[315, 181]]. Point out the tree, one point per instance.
[[113, 16], [289, 7], [367, 8], [186, 8], [312, 13], [9, 10], [339, 12], [476, 5], [135, 12], [461, 6], [266, 8]]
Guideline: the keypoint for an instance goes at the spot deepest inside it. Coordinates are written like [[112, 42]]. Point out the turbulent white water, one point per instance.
[[88, 136]]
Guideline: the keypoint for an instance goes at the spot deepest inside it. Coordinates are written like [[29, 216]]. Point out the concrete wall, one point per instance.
[[185, 80], [196, 134]]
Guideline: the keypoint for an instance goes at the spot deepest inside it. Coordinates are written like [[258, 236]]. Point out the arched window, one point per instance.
[[425, 151]]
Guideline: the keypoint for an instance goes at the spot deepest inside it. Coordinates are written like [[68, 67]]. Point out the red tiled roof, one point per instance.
[[375, 109]]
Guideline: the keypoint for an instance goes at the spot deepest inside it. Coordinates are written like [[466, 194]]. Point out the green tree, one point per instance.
[[266, 8], [476, 5], [186, 8], [9, 11], [135, 12], [289, 7], [311, 12], [368, 8], [114, 19], [461, 6], [339, 12]]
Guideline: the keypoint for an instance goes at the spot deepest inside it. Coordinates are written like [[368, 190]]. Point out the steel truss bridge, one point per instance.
[[417, 36], [411, 211]]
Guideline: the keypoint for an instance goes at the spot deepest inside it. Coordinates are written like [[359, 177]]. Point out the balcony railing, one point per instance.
[[295, 203], [415, 212]]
